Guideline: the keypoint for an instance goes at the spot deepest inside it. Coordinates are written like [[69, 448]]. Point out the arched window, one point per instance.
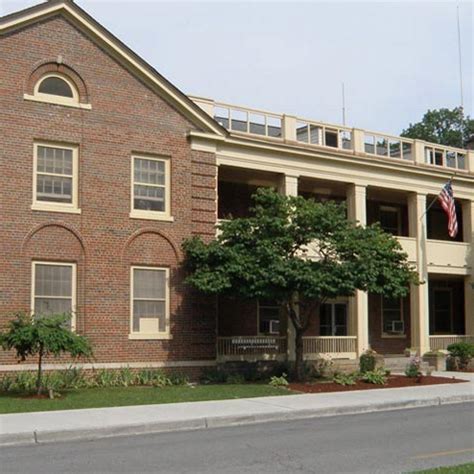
[[56, 86], [57, 89]]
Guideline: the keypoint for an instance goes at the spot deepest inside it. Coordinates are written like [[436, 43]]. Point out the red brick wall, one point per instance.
[[125, 117]]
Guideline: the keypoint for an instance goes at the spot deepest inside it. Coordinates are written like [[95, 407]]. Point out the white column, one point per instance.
[[419, 301], [289, 187], [468, 225], [359, 304]]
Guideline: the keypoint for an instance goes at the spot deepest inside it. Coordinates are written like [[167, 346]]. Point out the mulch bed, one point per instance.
[[394, 381]]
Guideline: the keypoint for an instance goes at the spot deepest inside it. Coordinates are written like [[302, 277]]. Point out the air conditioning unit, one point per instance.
[[397, 327], [274, 326]]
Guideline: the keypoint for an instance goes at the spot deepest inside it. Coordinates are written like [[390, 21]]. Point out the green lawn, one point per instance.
[[124, 396], [461, 469]]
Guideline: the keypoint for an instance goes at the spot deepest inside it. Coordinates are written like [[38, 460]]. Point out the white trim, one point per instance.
[[56, 100], [75, 95], [56, 206], [154, 335], [73, 284], [145, 214], [269, 306]]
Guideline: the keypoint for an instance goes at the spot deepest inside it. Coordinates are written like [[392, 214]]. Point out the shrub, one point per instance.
[[377, 376], [214, 375], [413, 369], [179, 379], [345, 379], [462, 352], [279, 381], [367, 361], [236, 379]]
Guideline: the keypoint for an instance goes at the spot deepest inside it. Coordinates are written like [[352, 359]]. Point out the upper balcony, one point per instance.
[[295, 130]]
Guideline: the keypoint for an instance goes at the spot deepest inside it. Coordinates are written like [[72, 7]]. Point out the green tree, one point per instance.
[[443, 126], [30, 336], [265, 256]]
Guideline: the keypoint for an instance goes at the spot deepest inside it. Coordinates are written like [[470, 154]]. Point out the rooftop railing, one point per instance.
[[288, 128]]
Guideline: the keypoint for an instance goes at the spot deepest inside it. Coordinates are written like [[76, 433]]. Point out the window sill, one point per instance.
[[57, 101], [159, 336], [394, 336], [46, 208], [151, 215]]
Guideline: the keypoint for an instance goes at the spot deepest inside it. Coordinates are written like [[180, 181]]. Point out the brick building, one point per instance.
[[105, 167]]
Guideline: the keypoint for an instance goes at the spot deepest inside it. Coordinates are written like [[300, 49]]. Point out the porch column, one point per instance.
[[468, 225], [289, 187], [359, 304], [419, 301]]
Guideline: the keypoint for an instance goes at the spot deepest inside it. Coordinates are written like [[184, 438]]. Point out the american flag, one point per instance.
[[446, 199]]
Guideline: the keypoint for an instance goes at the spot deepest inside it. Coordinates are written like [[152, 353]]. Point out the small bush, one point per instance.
[[345, 379], [236, 379], [413, 368], [279, 381], [377, 376], [367, 361], [179, 379], [214, 375], [462, 352]]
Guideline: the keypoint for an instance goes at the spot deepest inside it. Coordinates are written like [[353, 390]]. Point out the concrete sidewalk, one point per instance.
[[87, 424]]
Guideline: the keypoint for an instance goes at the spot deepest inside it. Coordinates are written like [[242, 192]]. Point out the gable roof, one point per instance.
[[124, 55]]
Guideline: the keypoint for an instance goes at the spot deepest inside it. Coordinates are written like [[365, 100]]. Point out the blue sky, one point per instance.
[[397, 59]]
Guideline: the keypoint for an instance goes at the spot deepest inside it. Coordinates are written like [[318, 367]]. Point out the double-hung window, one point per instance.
[[268, 317], [392, 317], [54, 290], [150, 188], [149, 303], [55, 186]]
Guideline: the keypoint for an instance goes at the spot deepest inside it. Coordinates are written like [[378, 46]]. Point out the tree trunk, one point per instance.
[[299, 361], [39, 381]]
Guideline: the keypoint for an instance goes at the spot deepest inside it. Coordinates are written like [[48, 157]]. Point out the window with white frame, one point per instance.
[[333, 319], [268, 317], [150, 187], [150, 301], [392, 317], [54, 289], [58, 89], [55, 177]]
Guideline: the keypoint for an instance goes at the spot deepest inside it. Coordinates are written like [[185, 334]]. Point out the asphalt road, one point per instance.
[[386, 442]]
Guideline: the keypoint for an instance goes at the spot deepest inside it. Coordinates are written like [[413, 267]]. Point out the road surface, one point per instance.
[[385, 442]]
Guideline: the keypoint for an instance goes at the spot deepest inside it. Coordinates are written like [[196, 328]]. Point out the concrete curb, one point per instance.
[[37, 437]]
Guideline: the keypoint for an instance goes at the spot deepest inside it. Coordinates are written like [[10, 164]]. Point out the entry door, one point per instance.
[[333, 319], [442, 311]]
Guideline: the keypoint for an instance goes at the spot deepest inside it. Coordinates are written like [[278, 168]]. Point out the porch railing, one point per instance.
[[250, 345], [330, 344], [442, 342]]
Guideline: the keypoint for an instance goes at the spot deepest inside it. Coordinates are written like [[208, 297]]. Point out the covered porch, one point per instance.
[[449, 319], [257, 330]]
